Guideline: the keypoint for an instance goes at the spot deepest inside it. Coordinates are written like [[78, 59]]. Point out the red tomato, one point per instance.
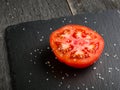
[[76, 46]]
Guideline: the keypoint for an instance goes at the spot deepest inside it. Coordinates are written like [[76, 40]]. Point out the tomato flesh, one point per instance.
[[76, 46]]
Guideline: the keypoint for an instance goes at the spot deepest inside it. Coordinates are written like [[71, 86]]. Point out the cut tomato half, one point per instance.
[[76, 45]]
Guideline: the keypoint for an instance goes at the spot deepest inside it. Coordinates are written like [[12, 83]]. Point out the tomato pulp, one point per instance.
[[76, 45]]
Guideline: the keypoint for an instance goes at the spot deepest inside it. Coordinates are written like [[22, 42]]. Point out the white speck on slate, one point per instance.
[[94, 68], [63, 78], [31, 53], [38, 32], [75, 74], [47, 79], [106, 54], [94, 22], [8, 3], [31, 60], [78, 87], [35, 56], [42, 36], [118, 11], [51, 29], [54, 76], [114, 44], [70, 21], [52, 67], [23, 29], [29, 81], [115, 55], [92, 87], [14, 8], [117, 69], [68, 86], [35, 50], [102, 34], [85, 18], [46, 72], [41, 40], [48, 47], [64, 19], [100, 62], [86, 22], [86, 88], [112, 83], [34, 62], [66, 74], [30, 73], [83, 84]]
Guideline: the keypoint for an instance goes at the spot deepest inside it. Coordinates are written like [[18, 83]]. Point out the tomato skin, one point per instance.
[[65, 57]]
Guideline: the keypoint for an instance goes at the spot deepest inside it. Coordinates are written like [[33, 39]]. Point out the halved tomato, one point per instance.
[[76, 46]]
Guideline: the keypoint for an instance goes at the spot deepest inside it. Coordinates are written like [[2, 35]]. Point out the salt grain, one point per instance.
[[7, 3], [118, 11], [23, 29], [86, 22], [35, 50], [29, 81], [48, 47], [78, 87], [92, 87], [30, 73], [100, 62], [70, 21], [94, 22], [38, 32], [34, 62], [42, 36], [64, 19], [114, 44], [31, 53], [94, 68], [41, 40], [115, 55], [86, 88], [68, 86], [31, 60], [47, 79], [106, 54], [63, 78], [66, 74], [75, 75], [85, 18], [46, 72], [35, 56], [112, 83], [51, 28]]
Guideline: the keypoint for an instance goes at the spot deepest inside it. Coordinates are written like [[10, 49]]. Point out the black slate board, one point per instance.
[[33, 66]]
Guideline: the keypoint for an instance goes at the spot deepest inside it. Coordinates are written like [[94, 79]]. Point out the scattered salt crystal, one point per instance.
[[51, 28], [86, 22], [112, 83], [118, 11], [42, 36], [14, 8], [94, 68], [41, 40], [66, 74], [63, 78], [35, 50], [115, 55], [100, 62], [46, 72], [86, 88], [92, 87], [114, 44], [59, 85], [54, 76], [23, 29], [75, 75], [31, 60], [30, 73], [48, 47], [64, 19], [94, 22], [117, 69], [52, 67], [83, 84], [102, 34], [38, 32], [106, 54], [85, 18], [35, 56], [31, 53], [78, 87], [70, 21], [29, 81], [47, 79], [8, 3], [34, 62], [68, 86]]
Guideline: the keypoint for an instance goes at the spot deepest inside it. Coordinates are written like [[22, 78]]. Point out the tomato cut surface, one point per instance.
[[76, 46]]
